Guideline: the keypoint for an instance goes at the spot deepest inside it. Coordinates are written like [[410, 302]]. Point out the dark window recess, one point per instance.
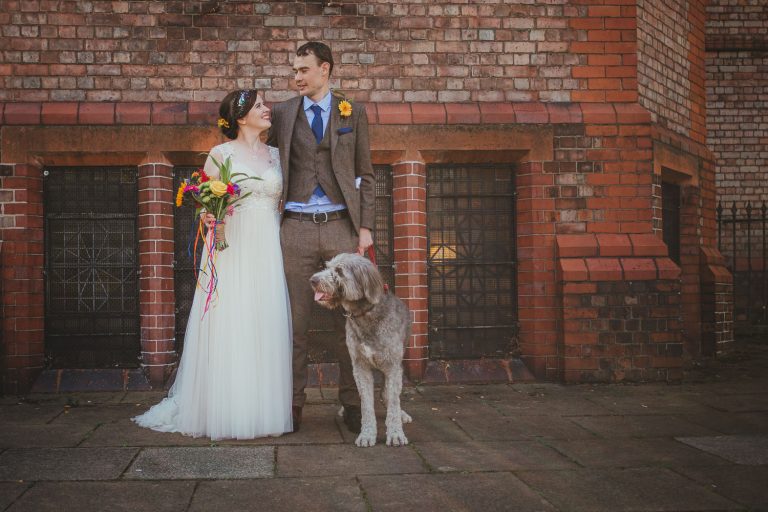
[[184, 231], [472, 266], [91, 268], [670, 219]]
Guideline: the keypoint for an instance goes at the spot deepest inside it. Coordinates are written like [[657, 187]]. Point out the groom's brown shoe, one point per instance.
[[352, 418], [296, 410]]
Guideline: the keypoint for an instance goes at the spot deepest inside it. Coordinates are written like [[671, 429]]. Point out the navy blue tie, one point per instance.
[[317, 129], [317, 123]]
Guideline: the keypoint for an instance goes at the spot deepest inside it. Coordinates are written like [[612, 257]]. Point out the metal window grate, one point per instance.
[[91, 268], [183, 260], [472, 265], [670, 219]]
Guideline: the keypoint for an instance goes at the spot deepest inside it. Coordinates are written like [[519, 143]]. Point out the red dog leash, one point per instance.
[[372, 257]]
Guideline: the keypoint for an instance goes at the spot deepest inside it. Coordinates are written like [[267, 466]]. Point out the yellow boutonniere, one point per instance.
[[345, 108], [222, 122]]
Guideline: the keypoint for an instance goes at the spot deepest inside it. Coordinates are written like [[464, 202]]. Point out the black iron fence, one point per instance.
[[741, 236]]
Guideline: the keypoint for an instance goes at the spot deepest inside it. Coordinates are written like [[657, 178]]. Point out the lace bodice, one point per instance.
[[266, 192]]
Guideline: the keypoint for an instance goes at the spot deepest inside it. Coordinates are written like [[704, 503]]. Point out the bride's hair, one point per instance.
[[234, 106]]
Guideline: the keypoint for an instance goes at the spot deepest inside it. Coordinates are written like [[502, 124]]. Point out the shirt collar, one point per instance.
[[324, 103]]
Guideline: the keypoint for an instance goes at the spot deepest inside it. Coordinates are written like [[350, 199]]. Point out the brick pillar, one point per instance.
[[21, 261], [410, 220], [157, 297]]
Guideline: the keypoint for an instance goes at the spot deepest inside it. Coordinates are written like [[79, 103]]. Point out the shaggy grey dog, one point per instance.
[[378, 323]]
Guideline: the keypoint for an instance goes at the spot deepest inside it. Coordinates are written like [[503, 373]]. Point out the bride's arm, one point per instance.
[[209, 167]]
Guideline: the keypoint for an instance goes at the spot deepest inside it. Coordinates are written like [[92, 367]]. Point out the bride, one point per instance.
[[234, 379]]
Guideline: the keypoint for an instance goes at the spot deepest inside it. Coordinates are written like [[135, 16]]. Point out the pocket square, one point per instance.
[[346, 129]]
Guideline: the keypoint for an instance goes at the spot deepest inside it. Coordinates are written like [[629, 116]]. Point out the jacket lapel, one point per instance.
[[292, 111], [333, 123]]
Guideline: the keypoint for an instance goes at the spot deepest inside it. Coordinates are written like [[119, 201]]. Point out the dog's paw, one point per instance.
[[405, 417], [396, 438], [366, 439]]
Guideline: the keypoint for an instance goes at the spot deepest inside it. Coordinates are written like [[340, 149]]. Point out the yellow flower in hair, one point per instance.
[[218, 188], [345, 108], [223, 123]]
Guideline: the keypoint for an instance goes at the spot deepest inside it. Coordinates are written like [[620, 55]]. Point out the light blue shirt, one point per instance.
[[316, 204]]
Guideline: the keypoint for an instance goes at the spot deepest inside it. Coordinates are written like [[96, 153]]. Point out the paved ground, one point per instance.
[[701, 445]]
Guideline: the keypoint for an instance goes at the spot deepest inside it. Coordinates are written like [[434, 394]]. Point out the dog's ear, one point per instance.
[[371, 281]]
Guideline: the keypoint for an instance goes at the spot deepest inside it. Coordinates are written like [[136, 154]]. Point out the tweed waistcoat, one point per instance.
[[311, 164]]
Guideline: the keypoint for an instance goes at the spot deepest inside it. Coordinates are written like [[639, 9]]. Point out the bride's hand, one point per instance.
[[210, 220]]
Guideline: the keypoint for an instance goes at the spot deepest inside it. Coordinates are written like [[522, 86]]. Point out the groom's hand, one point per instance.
[[366, 240]]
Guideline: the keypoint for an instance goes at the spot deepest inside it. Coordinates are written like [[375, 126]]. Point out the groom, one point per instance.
[[329, 202]]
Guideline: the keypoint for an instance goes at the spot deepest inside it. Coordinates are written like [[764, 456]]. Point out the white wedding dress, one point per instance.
[[234, 380]]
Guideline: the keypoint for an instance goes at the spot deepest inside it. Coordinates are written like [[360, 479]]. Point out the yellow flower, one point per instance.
[[345, 108], [222, 122], [218, 188], [180, 194]]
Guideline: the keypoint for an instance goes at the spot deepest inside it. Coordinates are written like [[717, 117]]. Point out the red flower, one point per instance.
[[203, 176], [230, 189]]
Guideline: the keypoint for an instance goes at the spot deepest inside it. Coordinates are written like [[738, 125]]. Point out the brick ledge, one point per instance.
[[204, 113]]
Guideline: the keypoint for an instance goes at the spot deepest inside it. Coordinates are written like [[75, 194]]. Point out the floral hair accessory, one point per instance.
[[222, 123], [345, 108], [243, 98]]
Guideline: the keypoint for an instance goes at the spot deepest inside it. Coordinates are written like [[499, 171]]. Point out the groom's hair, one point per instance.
[[321, 51]]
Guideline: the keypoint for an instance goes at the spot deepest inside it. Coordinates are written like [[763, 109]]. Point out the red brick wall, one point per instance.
[[737, 117], [21, 261], [737, 24], [670, 67], [549, 88], [389, 51]]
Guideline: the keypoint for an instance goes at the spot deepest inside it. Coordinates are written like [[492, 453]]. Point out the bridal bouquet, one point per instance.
[[217, 196]]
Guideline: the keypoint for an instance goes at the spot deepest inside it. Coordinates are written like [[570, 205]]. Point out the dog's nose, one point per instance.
[[314, 280]]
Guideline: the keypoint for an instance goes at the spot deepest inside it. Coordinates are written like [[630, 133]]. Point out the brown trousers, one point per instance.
[[306, 247]]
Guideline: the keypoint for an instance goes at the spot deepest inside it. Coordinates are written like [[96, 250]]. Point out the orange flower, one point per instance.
[[180, 194], [345, 108]]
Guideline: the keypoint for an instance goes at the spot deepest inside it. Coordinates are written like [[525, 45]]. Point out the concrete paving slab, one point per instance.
[[750, 450], [481, 492], [127, 433], [638, 489], [742, 484], [340, 494], [430, 423], [39, 414], [746, 423], [97, 415], [32, 436], [500, 428], [333, 460], [78, 398], [627, 453], [187, 463], [638, 400], [751, 402], [143, 397], [640, 426], [64, 463], [9, 491], [318, 426], [491, 456], [101, 496]]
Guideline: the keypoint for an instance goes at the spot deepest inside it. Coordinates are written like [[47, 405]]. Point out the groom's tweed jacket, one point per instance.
[[305, 163]]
